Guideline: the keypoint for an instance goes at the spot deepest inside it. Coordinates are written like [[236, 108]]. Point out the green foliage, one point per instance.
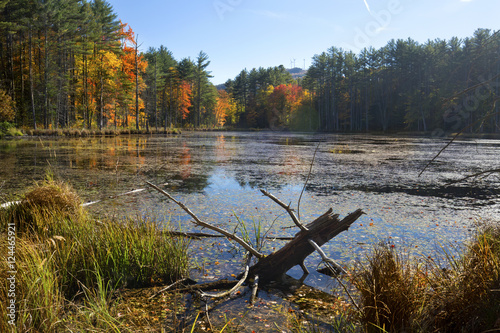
[[305, 119], [408, 86], [7, 128]]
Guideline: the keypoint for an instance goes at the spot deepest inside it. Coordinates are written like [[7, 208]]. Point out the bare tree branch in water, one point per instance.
[[479, 121]]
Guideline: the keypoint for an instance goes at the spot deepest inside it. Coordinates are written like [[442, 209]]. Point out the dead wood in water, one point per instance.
[[193, 235], [275, 265], [321, 230]]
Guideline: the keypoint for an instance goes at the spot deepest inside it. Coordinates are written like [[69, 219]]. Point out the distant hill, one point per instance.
[[297, 72]]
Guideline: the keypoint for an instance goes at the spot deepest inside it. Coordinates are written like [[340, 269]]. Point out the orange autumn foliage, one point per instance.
[[225, 107], [184, 99], [284, 101]]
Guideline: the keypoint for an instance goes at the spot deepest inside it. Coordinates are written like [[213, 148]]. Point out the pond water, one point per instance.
[[219, 175]]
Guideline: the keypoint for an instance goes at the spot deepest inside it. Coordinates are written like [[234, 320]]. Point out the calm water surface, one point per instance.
[[218, 175]]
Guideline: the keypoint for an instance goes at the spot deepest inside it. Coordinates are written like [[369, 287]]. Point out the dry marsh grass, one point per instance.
[[408, 295], [68, 264]]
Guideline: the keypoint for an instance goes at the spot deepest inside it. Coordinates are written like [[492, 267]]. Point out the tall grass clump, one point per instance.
[[47, 202], [461, 294], [68, 264], [390, 289], [125, 254], [466, 297]]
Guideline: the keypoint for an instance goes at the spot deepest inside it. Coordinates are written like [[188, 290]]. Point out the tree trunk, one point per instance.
[[136, 87], [46, 82], [321, 230], [32, 86], [155, 101]]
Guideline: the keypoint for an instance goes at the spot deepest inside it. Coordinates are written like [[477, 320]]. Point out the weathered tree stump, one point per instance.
[[324, 228]]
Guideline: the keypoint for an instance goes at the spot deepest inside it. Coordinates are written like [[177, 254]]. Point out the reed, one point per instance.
[[39, 302], [68, 264]]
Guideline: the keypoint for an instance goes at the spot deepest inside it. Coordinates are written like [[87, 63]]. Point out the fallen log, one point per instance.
[[324, 228]]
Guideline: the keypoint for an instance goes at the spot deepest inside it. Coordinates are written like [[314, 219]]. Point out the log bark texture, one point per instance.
[[321, 230]]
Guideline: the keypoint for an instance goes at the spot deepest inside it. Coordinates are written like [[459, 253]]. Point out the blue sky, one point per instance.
[[238, 34]]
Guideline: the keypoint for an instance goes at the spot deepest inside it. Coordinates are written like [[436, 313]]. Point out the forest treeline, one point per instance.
[[439, 86], [73, 63]]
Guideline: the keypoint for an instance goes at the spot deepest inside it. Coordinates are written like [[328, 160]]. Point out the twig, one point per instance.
[[330, 263], [307, 179], [167, 288], [199, 222], [287, 208], [225, 293]]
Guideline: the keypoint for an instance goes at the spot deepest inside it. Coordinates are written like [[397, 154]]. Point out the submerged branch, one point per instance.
[[307, 179], [490, 114], [328, 261], [233, 289], [332, 265], [475, 175], [167, 288], [193, 235]]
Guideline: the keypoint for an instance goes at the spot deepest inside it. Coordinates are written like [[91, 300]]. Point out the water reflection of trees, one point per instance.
[[254, 161]]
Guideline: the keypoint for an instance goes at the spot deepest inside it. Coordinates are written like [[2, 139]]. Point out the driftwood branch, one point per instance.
[[199, 222], [225, 293], [287, 208], [328, 261]]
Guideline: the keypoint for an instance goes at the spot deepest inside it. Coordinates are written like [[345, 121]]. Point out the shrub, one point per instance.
[[14, 132]]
